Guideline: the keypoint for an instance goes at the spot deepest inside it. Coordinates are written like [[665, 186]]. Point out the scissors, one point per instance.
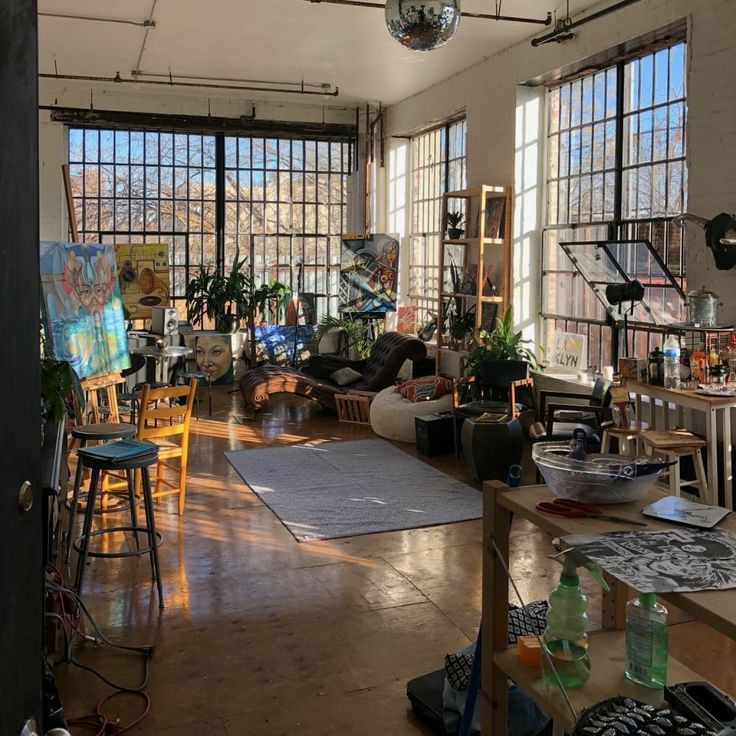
[[576, 510]]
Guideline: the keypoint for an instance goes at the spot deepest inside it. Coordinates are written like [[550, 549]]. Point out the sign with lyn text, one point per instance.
[[569, 351]]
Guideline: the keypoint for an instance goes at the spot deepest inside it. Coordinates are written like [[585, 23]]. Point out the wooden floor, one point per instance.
[[264, 635]]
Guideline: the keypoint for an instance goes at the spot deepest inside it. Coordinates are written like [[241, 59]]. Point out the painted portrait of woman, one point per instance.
[[214, 356]]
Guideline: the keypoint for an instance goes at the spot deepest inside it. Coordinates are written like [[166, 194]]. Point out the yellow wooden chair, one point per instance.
[[162, 419]]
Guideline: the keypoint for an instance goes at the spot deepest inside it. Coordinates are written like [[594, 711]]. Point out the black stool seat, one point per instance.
[[110, 431], [140, 463]]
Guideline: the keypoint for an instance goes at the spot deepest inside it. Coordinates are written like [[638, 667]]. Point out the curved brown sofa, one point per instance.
[[377, 372]]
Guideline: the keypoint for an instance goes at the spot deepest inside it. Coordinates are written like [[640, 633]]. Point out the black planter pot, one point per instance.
[[227, 324], [490, 448], [455, 233]]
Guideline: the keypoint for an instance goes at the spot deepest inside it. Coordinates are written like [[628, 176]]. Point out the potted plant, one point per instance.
[[271, 301], [357, 333], [454, 220], [224, 298], [501, 343]]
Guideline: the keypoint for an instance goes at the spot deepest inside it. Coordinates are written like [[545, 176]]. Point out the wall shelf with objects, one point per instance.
[[474, 268]]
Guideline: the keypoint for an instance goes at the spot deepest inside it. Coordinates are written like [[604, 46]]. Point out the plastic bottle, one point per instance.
[[646, 641], [578, 449], [672, 362], [565, 637]]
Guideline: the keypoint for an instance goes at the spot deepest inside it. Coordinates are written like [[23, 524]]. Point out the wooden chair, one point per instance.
[[161, 417]]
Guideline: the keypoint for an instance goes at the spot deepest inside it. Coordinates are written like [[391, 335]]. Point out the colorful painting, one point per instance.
[[143, 269], [369, 274], [82, 308]]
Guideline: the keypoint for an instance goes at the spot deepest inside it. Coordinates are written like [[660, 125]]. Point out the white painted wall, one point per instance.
[[491, 98]]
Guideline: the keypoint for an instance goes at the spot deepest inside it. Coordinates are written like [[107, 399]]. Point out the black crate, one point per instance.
[[434, 434]]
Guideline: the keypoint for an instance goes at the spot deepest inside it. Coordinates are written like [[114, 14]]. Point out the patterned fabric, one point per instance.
[[425, 389], [526, 621]]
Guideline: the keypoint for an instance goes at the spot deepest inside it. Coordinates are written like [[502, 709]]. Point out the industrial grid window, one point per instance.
[[287, 195], [438, 160], [615, 169]]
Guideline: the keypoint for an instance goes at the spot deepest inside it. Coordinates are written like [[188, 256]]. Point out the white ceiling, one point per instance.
[[277, 40]]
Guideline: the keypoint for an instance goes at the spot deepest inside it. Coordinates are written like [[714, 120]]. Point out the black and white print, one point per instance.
[[669, 561]]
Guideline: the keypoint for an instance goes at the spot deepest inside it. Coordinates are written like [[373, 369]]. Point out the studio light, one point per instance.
[[422, 25], [630, 291]]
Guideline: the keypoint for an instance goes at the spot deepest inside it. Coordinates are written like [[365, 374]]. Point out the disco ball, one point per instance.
[[422, 25]]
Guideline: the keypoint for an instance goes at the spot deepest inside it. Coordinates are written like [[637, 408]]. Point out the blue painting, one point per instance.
[[82, 308]]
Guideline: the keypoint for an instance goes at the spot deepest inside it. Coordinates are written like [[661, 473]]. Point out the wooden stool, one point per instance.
[[627, 437], [89, 433], [197, 376], [676, 444], [81, 545]]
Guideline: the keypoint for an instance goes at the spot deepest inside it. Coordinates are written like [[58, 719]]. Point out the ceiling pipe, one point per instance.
[[481, 16], [564, 30], [141, 24], [189, 77], [145, 36], [117, 79]]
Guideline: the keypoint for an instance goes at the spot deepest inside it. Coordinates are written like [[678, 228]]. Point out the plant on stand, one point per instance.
[[454, 220], [357, 334], [271, 301], [224, 298], [501, 343]]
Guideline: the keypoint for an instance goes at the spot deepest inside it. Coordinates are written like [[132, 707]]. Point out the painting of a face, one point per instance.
[[214, 356]]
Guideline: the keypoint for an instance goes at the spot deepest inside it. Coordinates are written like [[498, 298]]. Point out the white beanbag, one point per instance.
[[392, 416]]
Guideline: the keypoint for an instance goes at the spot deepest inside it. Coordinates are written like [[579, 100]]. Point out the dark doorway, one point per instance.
[[21, 570]]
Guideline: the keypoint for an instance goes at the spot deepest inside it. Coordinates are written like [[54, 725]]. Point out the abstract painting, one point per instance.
[[82, 308], [143, 270], [369, 274]]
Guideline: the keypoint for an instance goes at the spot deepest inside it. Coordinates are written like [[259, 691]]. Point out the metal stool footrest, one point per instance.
[[132, 553]]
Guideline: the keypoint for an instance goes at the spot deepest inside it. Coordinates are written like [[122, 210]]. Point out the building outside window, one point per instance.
[[615, 170], [285, 197], [438, 165]]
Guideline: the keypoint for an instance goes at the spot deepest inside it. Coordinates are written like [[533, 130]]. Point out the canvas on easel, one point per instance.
[[143, 270], [82, 308]]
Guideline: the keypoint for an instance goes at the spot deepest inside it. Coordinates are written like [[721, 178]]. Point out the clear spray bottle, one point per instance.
[[565, 637]]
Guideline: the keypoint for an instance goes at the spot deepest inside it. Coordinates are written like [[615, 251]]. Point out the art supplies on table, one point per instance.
[[682, 511], [116, 452], [577, 510]]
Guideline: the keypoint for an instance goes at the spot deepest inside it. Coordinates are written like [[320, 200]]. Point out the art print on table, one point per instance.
[[143, 269], [82, 308], [369, 274], [669, 561]]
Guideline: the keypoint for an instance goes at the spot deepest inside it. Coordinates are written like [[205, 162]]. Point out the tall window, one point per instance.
[[438, 165], [284, 198], [615, 169]]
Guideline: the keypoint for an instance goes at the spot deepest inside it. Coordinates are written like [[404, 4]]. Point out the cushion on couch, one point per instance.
[[345, 376], [425, 389]]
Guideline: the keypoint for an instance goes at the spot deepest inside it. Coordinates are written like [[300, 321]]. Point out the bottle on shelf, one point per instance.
[[565, 637], [672, 362], [646, 641], [655, 367], [697, 365]]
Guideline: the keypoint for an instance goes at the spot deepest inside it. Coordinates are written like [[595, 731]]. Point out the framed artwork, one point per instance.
[[143, 270], [82, 308], [369, 274], [569, 350], [495, 207], [407, 321]]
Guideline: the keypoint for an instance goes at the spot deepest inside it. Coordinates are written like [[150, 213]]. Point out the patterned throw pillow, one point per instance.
[[425, 389]]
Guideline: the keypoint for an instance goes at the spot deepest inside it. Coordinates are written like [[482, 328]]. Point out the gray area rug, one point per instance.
[[343, 489]]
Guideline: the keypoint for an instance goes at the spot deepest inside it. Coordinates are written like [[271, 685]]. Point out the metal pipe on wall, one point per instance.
[[565, 28], [140, 24], [117, 79]]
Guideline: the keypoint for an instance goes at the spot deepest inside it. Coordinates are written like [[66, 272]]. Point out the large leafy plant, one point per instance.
[[60, 387], [218, 296], [501, 343], [356, 331], [272, 300]]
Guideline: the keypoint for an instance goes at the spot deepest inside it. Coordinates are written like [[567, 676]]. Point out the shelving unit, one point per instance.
[[716, 609], [483, 257]]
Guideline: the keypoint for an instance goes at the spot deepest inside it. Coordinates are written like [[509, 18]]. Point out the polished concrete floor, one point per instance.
[[264, 635]]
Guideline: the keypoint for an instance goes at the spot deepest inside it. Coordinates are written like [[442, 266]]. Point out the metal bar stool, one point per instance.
[[81, 545], [674, 445], [85, 433]]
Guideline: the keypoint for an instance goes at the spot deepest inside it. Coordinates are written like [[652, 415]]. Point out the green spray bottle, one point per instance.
[[565, 637]]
